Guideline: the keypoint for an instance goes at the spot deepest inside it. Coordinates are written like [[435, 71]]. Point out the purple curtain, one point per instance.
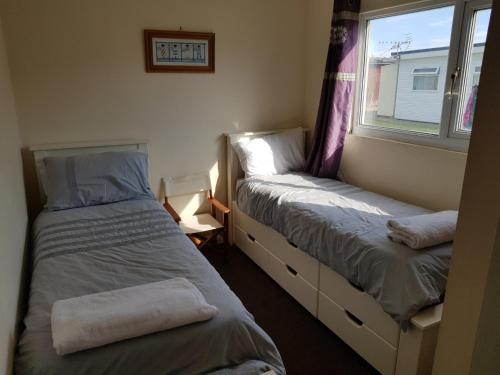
[[337, 92]]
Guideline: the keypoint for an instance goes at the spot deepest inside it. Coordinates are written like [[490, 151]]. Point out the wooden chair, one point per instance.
[[200, 228]]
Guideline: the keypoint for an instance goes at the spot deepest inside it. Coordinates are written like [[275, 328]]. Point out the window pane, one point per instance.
[[425, 83], [426, 70], [406, 58], [475, 51]]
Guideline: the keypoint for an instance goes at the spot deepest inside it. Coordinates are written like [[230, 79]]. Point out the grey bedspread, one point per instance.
[[344, 227], [88, 250]]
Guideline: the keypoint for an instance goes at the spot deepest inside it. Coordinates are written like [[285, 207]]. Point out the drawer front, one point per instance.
[[248, 224], [287, 277], [304, 264], [374, 349], [251, 248], [338, 289], [290, 280]]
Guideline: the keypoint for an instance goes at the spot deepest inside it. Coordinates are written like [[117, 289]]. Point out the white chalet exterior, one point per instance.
[[412, 87]]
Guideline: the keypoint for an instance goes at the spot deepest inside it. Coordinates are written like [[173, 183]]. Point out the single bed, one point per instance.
[[344, 227], [325, 242], [86, 250]]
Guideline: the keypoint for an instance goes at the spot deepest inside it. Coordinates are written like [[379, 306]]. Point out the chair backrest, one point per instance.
[[184, 185]]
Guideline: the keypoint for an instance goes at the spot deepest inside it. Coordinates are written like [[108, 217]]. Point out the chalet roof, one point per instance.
[[429, 50]]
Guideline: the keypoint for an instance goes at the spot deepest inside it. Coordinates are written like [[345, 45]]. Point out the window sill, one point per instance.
[[459, 145]]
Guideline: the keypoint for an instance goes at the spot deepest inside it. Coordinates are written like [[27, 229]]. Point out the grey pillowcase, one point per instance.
[[93, 179]]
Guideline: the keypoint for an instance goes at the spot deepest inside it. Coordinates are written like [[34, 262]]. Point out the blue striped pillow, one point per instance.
[[94, 179]]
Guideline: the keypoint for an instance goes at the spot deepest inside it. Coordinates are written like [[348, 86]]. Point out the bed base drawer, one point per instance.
[[285, 275], [359, 303], [304, 264], [374, 349], [251, 248], [295, 284]]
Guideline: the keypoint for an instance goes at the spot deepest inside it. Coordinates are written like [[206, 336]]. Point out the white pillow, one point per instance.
[[272, 154]]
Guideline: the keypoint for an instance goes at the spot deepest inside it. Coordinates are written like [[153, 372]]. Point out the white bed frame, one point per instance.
[[351, 314], [72, 149]]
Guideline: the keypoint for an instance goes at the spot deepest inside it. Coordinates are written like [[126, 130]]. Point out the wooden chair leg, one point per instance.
[[209, 238], [196, 240]]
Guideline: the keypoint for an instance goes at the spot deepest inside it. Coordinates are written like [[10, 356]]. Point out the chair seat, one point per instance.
[[199, 223]]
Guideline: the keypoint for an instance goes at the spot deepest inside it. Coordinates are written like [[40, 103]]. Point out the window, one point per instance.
[[426, 71], [425, 78], [419, 71], [425, 82]]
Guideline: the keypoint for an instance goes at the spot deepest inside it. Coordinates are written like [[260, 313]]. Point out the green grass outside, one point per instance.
[[406, 125]]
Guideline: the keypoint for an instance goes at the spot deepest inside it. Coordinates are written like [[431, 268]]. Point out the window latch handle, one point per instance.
[[454, 77]]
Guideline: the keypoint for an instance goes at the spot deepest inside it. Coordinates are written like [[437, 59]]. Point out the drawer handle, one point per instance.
[[250, 237], [291, 270], [358, 288], [354, 319]]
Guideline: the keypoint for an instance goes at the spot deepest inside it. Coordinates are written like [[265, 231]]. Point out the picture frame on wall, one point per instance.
[[179, 51]]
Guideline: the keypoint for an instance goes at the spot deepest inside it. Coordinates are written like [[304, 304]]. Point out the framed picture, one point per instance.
[[179, 51]]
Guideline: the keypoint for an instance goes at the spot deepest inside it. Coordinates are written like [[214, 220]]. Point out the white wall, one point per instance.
[[78, 73], [485, 359], [388, 84], [425, 176], [13, 218], [409, 102], [318, 17]]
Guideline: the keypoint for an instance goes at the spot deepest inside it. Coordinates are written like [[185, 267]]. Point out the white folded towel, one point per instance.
[[422, 231], [102, 318]]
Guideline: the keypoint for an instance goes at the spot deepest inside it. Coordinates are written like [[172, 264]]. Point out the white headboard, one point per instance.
[[234, 170], [72, 149]]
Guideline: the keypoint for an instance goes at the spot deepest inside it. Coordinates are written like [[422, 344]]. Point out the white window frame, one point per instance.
[[463, 60], [448, 137]]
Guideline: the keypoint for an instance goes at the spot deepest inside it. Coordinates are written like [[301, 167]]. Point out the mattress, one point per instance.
[[93, 249], [344, 227]]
